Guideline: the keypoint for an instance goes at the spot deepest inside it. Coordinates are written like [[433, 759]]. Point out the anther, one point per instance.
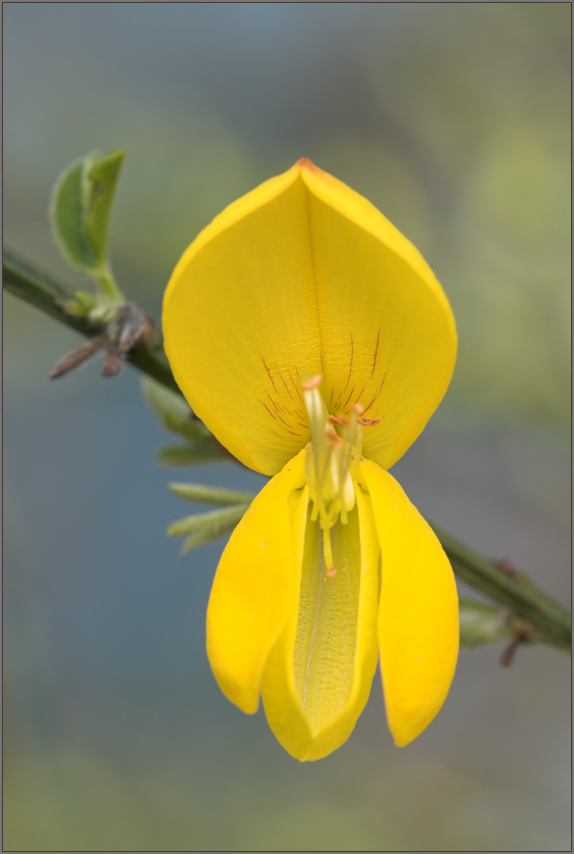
[[314, 382], [333, 439], [339, 420], [369, 422], [356, 407], [331, 572]]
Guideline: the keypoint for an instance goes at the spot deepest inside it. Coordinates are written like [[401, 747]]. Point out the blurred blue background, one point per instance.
[[454, 119]]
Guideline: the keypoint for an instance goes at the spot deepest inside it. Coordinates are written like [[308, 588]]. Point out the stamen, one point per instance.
[[332, 459], [331, 572], [339, 420], [345, 460], [309, 474], [327, 551], [320, 452], [333, 440], [348, 493], [314, 382]]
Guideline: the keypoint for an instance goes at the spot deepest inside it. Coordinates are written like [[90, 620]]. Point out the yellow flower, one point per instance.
[[314, 341]]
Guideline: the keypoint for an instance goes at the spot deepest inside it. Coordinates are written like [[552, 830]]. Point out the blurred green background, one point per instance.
[[454, 119]]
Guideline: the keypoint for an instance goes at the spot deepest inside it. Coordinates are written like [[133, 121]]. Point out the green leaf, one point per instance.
[[80, 209], [82, 304], [213, 520], [210, 495], [204, 528], [191, 454], [100, 188], [174, 413], [481, 625], [203, 538], [66, 212], [190, 428], [162, 400], [86, 300], [176, 416]]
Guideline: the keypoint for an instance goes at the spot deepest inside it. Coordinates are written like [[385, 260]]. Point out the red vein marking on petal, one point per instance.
[[350, 365], [305, 426], [278, 408], [296, 387], [268, 371], [376, 351], [284, 383], [331, 395], [281, 419], [356, 406], [268, 410], [277, 434], [376, 395], [350, 396], [294, 434]]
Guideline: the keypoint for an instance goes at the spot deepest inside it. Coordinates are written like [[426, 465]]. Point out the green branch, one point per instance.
[[35, 285], [512, 589], [540, 618]]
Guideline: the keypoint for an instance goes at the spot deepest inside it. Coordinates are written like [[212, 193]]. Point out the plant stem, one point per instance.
[[108, 285], [35, 285], [551, 624]]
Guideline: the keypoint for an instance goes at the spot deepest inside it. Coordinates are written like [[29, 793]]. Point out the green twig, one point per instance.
[[510, 588], [550, 623], [35, 285]]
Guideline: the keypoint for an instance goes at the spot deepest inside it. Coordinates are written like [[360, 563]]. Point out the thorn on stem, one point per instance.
[[522, 630], [507, 656], [76, 357], [132, 326], [507, 567], [124, 332], [114, 361]]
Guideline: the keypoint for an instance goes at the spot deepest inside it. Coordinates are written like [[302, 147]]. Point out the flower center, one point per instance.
[[331, 461]]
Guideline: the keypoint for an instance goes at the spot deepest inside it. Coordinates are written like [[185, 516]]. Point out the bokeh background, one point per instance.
[[454, 119]]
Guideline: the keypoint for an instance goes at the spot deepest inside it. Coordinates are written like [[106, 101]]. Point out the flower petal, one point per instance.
[[240, 323], [304, 276], [318, 676], [418, 614], [254, 588], [388, 335]]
